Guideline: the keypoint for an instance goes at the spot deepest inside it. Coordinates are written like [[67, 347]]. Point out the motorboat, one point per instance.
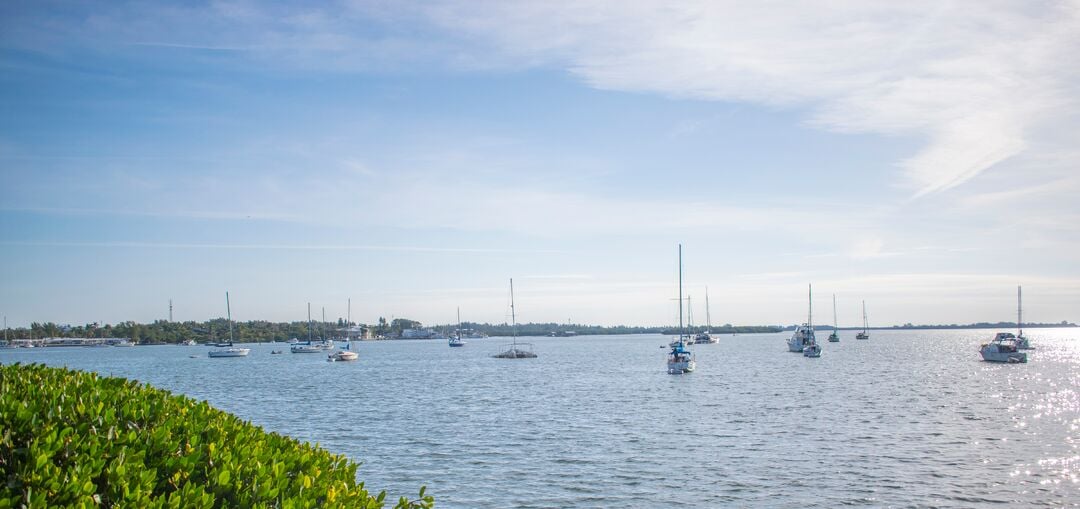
[[1003, 348], [812, 350], [804, 335]]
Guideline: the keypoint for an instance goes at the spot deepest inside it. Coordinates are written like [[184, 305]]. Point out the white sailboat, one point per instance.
[[1021, 342], [515, 350], [345, 354], [455, 339], [804, 334], [835, 336], [706, 337], [228, 350], [865, 334], [812, 348], [311, 346], [680, 360]]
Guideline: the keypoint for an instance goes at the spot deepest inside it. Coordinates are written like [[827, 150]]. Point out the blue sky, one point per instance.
[[413, 158]]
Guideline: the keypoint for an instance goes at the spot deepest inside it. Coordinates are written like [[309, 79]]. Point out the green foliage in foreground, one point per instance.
[[76, 439]]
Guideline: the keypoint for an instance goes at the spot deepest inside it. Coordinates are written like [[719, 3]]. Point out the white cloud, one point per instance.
[[973, 80]]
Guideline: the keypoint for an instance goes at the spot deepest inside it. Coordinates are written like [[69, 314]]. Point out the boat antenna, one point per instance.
[[228, 310], [681, 331]]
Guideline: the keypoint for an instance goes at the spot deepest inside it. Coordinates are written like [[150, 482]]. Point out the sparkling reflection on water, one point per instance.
[[907, 418]]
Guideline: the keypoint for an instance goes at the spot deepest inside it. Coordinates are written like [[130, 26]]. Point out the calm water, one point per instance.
[[907, 418]]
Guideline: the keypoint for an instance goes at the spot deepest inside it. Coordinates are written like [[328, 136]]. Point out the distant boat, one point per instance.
[[310, 346], [812, 348], [516, 350], [190, 342], [804, 334], [345, 354], [865, 334], [1002, 349], [680, 360], [455, 339], [1021, 342], [706, 337], [228, 350], [834, 337]]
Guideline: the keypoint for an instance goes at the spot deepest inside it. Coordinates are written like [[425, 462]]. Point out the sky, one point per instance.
[[406, 159]]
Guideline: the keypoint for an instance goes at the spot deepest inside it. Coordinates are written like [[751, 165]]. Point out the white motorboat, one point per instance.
[[1003, 348], [812, 350], [515, 350], [227, 349], [681, 360], [343, 355]]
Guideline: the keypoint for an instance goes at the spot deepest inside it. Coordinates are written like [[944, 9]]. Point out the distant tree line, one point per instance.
[[165, 332]]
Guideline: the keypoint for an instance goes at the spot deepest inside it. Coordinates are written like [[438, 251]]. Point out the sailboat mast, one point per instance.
[[228, 311], [1019, 314], [513, 315], [864, 324], [322, 325], [708, 315], [834, 312], [681, 331], [459, 322], [810, 305], [309, 322]]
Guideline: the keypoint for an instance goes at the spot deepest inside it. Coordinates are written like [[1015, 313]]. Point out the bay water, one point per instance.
[[908, 418]]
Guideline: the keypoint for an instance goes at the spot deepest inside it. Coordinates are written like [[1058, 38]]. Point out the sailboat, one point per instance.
[[834, 337], [680, 359], [804, 334], [455, 340], [311, 346], [706, 337], [345, 354], [865, 334], [515, 350], [228, 350], [812, 348], [1021, 342]]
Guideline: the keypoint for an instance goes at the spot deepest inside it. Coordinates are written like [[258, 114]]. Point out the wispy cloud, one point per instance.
[[290, 247]]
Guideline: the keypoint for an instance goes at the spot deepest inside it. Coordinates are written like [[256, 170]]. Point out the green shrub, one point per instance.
[[76, 439]]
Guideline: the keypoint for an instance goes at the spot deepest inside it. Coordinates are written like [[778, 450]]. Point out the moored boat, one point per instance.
[[1002, 349], [228, 350]]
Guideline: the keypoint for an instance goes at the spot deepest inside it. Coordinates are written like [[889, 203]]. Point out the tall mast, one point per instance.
[[228, 310], [309, 322], [459, 322], [708, 315], [810, 305], [834, 312], [170, 310], [864, 324], [1019, 314], [348, 314], [513, 315], [322, 326], [681, 331]]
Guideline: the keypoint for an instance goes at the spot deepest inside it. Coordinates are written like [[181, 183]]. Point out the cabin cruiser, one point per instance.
[[803, 336], [1003, 348]]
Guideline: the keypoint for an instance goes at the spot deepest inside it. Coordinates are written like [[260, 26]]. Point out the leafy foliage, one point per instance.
[[76, 439]]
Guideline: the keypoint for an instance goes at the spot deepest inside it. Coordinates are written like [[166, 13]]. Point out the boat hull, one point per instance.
[[229, 352], [681, 367], [993, 353]]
